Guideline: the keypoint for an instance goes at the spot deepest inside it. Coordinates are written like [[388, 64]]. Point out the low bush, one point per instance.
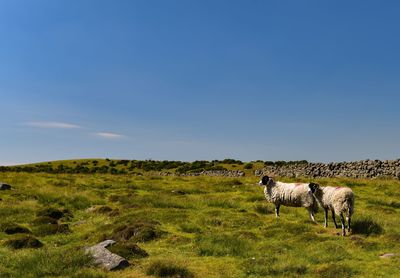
[[51, 229], [137, 232], [23, 241], [51, 212], [44, 220], [11, 229]]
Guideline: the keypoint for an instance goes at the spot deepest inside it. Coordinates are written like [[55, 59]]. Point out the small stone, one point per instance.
[[387, 255]]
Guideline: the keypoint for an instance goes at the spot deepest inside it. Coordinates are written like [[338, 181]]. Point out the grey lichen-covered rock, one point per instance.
[[106, 259], [4, 186]]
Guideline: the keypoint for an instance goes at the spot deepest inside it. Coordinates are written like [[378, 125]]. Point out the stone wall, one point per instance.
[[211, 173], [356, 169]]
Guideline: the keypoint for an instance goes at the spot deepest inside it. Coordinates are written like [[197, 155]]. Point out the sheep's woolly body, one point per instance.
[[338, 199], [289, 194]]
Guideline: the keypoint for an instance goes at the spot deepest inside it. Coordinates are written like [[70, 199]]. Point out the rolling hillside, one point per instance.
[[188, 227]]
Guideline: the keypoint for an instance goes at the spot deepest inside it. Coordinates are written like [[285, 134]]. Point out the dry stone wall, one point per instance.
[[211, 173], [356, 169]]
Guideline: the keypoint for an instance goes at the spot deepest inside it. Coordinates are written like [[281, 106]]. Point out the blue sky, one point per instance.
[[191, 80]]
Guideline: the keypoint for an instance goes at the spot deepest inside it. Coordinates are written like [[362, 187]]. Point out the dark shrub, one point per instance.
[[23, 241], [168, 269], [51, 229], [128, 250], [137, 232], [103, 210], [43, 220], [51, 212], [16, 229], [4, 186], [366, 226]]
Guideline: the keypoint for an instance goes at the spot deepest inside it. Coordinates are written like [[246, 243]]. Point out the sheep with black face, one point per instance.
[[339, 200], [289, 194]]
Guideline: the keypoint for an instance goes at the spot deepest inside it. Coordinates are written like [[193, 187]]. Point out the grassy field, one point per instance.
[[190, 227]]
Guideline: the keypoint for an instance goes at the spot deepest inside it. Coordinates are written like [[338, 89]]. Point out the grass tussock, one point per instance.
[[128, 250], [141, 231], [49, 263], [223, 245], [334, 270], [23, 241], [168, 268], [366, 226], [11, 229], [264, 208]]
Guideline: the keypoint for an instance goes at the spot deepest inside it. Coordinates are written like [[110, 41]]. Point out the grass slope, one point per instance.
[[192, 227], [133, 167]]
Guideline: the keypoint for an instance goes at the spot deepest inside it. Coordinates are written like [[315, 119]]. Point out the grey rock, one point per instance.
[[106, 259]]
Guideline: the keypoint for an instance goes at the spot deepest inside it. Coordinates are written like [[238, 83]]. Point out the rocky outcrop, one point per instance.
[[356, 169]]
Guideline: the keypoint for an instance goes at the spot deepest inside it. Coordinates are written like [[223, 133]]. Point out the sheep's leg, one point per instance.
[[348, 218], [334, 219], [311, 212], [343, 224], [326, 217], [277, 210]]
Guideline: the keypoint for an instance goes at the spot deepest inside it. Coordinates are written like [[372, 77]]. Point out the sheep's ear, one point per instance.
[[264, 180]]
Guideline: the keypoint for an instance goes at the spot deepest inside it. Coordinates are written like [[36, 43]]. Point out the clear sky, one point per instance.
[[206, 79]]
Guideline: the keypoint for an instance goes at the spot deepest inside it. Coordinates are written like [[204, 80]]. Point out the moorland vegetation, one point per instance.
[[173, 226]]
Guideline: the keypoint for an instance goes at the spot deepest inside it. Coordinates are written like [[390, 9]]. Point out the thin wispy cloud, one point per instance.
[[59, 125], [109, 135]]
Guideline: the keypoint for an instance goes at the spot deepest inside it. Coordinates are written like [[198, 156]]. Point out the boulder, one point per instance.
[[105, 258]]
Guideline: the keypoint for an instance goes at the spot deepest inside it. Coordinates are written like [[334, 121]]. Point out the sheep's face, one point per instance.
[[264, 180], [313, 187]]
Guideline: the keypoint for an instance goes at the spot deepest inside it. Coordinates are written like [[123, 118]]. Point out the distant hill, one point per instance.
[[138, 167], [113, 166]]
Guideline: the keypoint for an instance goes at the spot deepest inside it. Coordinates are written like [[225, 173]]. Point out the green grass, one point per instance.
[[190, 227]]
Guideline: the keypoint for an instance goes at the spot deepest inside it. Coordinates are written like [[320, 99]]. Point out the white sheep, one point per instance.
[[289, 194], [339, 200]]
